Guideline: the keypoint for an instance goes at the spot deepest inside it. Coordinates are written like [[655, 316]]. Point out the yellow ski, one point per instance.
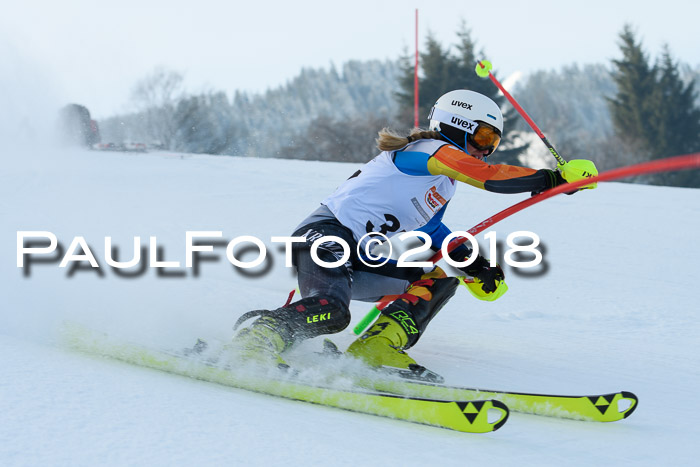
[[466, 415]]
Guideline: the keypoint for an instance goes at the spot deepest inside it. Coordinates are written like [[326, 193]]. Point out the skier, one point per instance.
[[406, 187]]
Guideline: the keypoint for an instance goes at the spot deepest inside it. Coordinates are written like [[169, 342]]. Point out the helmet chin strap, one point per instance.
[[463, 148]]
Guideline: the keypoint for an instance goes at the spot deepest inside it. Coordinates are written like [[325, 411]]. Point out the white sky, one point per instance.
[[93, 52]]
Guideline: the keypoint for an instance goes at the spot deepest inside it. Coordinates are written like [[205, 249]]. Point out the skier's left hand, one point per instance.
[[487, 274]]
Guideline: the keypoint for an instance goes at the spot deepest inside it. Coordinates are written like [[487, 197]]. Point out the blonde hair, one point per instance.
[[389, 140]]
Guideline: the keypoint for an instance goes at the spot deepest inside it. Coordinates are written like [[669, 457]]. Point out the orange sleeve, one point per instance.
[[468, 169]]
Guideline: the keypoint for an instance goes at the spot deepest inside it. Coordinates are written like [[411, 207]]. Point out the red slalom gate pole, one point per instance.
[[415, 80], [670, 164]]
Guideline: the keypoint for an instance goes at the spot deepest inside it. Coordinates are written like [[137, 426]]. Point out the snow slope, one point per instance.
[[615, 310]]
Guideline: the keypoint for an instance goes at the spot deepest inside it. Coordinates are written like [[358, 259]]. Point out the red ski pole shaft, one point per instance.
[[485, 66]]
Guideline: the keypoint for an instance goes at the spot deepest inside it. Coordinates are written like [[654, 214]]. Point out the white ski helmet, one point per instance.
[[459, 116]]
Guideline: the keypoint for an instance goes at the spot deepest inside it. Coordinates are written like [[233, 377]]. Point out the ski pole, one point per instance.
[[483, 70], [572, 170]]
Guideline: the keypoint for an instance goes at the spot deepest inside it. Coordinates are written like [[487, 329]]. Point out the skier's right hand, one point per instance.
[[487, 274], [551, 178]]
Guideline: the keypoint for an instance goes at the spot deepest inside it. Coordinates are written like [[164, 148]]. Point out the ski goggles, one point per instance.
[[485, 138]]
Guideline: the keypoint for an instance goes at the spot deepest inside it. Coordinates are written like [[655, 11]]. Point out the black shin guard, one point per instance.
[[303, 319], [414, 312], [311, 317]]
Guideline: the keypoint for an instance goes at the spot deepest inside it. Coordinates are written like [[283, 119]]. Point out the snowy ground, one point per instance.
[[616, 310]]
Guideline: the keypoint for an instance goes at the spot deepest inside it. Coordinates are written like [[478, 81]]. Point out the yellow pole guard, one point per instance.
[[579, 169], [474, 287]]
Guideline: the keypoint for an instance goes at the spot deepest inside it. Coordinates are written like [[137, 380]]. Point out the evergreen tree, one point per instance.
[[654, 112], [632, 108], [677, 120], [468, 57], [440, 74], [509, 151], [404, 96], [676, 113], [443, 70], [437, 70]]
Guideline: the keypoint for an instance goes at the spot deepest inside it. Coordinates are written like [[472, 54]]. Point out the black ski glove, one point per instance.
[[487, 274], [551, 178]]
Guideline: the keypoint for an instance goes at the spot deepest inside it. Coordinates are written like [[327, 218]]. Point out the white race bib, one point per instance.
[[380, 198]]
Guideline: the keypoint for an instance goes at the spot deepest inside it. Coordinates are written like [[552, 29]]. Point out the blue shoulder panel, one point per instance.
[[412, 162]]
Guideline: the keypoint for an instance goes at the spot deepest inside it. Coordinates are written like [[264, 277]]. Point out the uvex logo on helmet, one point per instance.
[[468, 125], [462, 104]]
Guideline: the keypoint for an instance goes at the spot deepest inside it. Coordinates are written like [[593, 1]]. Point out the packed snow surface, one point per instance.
[[613, 307]]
